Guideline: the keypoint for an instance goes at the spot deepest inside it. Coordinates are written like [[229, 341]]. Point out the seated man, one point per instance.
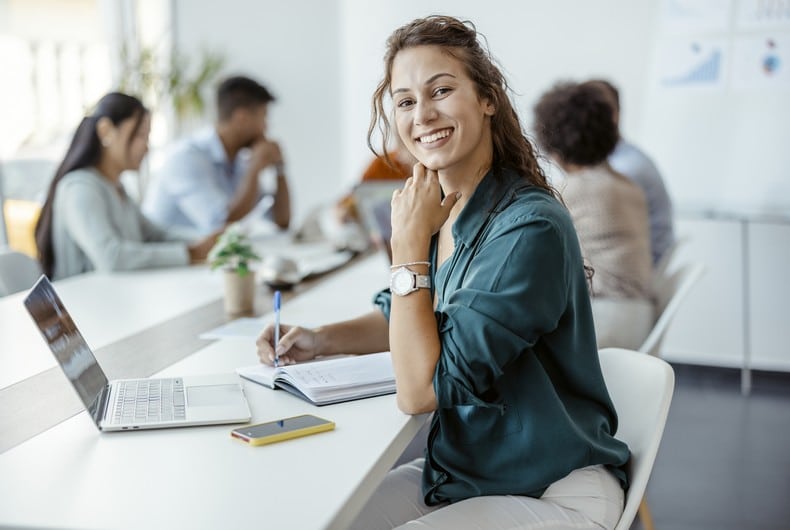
[[629, 160], [212, 178]]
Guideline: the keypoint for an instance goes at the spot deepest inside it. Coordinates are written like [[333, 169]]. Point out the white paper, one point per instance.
[[761, 62], [248, 327], [694, 16], [331, 380], [691, 64], [763, 14]]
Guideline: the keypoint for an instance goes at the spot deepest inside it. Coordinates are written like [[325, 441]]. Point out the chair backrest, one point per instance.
[[670, 290], [3, 233], [641, 389], [27, 178], [668, 258], [17, 272], [20, 219]]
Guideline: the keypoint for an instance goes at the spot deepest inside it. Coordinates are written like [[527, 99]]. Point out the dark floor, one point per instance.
[[724, 461]]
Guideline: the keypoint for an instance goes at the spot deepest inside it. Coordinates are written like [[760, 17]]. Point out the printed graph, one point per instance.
[[691, 16], [692, 63], [754, 14], [708, 71], [761, 62]]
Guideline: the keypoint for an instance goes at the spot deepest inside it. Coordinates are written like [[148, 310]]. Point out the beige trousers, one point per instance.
[[588, 498]]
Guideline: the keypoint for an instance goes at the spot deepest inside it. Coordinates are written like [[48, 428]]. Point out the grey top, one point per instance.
[[609, 212], [628, 160], [96, 226]]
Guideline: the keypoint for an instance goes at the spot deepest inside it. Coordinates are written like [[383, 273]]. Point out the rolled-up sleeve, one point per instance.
[[513, 292]]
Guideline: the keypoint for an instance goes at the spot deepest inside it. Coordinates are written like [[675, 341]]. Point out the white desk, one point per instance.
[[106, 308], [70, 476]]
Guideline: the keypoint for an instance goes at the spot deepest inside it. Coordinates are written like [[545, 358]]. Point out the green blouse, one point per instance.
[[521, 401]]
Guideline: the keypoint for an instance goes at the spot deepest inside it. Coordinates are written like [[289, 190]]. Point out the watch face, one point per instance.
[[402, 281]]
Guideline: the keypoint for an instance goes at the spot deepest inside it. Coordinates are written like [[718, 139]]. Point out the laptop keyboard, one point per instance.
[[149, 400]]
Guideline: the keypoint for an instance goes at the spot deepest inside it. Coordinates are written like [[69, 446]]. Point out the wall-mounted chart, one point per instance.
[[692, 63], [694, 16], [763, 14], [761, 62]]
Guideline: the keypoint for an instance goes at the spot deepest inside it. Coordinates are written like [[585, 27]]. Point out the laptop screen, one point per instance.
[[373, 200], [67, 344]]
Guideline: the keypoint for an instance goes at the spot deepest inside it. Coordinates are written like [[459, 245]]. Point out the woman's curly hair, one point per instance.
[[575, 122]]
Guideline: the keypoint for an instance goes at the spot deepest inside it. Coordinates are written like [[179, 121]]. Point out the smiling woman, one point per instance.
[[488, 317]]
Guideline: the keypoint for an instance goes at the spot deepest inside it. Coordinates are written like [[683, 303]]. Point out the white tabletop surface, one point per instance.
[[111, 307], [72, 476], [106, 308]]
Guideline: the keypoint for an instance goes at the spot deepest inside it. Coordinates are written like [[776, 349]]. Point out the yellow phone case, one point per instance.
[[272, 438]]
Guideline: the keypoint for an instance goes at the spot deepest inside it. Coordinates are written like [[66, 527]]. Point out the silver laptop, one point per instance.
[[373, 199], [127, 404]]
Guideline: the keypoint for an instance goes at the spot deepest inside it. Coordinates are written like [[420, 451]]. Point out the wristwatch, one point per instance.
[[404, 281]]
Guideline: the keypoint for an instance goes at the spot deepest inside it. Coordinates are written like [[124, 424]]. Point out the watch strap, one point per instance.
[[422, 281]]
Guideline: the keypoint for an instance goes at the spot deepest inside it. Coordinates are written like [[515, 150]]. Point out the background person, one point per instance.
[[88, 222], [574, 124], [629, 160], [212, 178], [498, 340]]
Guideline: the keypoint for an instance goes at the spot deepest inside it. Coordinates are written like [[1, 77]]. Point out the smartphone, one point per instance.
[[279, 430]]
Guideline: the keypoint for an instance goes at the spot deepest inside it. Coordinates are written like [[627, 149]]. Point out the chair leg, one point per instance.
[[644, 515]]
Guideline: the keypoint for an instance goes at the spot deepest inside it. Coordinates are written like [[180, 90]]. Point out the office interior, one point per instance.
[[695, 95]]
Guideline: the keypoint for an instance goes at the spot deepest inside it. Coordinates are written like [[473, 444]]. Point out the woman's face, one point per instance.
[[439, 116], [129, 146]]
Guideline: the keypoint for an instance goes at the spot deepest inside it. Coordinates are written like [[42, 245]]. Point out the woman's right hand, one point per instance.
[[296, 345], [198, 251]]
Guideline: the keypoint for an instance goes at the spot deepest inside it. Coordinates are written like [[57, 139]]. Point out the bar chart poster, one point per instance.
[[692, 63], [761, 62], [763, 14]]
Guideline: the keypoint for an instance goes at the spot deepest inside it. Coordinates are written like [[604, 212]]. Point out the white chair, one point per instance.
[[670, 290], [17, 272], [668, 258], [641, 389]]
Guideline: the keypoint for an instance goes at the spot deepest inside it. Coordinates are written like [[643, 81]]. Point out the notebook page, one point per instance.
[[259, 373], [346, 372]]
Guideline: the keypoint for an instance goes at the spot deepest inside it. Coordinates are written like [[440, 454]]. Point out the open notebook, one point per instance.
[[333, 380]]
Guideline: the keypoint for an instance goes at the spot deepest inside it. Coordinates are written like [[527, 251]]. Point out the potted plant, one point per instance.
[[233, 253]]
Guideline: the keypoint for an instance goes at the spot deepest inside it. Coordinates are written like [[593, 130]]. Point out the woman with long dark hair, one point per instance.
[[488, 315], [87, 221]]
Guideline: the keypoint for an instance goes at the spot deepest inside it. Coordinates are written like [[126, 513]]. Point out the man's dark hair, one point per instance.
[[574, 121], [610, 88], [240, 92]]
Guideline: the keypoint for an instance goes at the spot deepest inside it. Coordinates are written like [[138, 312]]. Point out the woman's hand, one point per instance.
[[296, 345], [418, 211], [200, 249]]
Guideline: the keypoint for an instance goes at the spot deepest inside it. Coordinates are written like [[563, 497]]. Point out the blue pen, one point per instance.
[[276, 326]]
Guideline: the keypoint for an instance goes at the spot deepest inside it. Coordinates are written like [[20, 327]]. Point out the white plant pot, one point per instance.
[[239, 293]]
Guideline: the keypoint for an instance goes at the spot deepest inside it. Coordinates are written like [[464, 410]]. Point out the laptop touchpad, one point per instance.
[[212, 396]]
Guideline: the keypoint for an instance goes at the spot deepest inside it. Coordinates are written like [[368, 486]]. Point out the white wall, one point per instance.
[[323, 59], [293, 49], [537, 43]]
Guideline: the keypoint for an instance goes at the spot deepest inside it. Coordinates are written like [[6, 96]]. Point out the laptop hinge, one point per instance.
[[104, 404]]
